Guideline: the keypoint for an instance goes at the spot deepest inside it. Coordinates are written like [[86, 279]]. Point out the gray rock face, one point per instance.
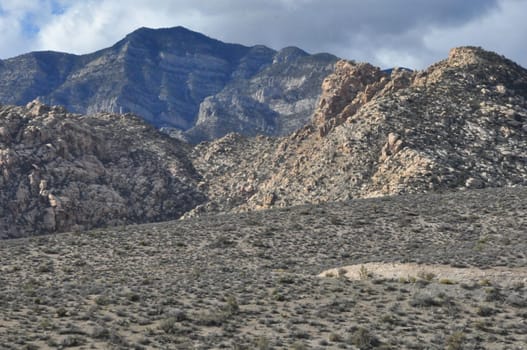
[[275, 102], [61, 171], [174, 78]]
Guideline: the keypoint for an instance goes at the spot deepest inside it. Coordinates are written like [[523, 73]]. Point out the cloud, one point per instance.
[[412, 33], [21, 21], [503, 31]]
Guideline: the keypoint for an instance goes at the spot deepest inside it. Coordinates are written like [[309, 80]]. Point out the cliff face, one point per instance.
[[62, 171], [462, 123], [175, 78], [275, 102]]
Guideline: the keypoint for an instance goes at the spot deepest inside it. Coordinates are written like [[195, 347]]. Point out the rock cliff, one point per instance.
[[175, 78], [461, 123], [62, 171], [276, 101]]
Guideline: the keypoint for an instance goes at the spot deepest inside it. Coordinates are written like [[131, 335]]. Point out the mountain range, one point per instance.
[[332, 204], [178, 80], [461, 124]]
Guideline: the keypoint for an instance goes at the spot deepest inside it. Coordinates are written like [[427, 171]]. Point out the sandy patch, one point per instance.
[[497, 275]]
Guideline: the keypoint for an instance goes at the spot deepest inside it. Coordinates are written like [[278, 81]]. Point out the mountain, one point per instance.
[[61, 172], [276, 101], [176, 78], [461, 123]]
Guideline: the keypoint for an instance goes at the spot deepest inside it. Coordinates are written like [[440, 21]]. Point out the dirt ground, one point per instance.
[[410, 272]]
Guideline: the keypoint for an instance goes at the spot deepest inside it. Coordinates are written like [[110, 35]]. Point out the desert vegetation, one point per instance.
[[251, 280]]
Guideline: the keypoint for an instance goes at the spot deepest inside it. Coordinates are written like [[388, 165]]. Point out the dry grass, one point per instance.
[[249, 281]]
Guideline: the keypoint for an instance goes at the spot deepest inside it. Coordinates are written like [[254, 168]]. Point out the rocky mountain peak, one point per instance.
[[461, 123], [468, 55], [175, 78], [289, 54], [349, 87]]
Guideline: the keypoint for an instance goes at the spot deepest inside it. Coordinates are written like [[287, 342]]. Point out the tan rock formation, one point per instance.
[[462, 123], [61, 171]]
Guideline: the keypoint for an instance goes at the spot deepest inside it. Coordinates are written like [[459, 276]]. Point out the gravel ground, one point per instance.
[[251, 280]]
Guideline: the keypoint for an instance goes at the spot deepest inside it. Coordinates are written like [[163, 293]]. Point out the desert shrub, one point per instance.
[[102, 300], [299, 345], [210, 319], [517, 300], [335, 337], [363, 339], [286, 279], [493, 294], [455, 341], [485, 311], [364, 273], [133, 297], [72, 341], [231, 305], [423, 300], [100, 333], [46, 267], [262, 343], [169, 325], [426, 275], [61, 312], [30, 346], [446, 281]]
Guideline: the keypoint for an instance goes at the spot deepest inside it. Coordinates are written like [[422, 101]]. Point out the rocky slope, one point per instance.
[[173, 78], [61, 171], [462, 123]]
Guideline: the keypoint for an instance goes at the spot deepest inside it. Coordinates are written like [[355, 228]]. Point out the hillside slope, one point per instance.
[[462, 123], [251, 280], [61, 171]]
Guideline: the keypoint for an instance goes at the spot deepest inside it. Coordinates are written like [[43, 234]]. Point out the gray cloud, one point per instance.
[[411, 33]]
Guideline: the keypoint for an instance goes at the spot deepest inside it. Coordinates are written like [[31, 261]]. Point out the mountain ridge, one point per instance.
[[162, 75], [461, 124], [68, 172]]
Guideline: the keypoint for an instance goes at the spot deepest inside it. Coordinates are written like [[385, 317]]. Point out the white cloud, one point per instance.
[[411, 33], [94, 24], [503, 31]]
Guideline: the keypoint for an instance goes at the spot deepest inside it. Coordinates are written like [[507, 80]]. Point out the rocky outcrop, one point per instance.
[[462, 123], [175, 78], [62, 171]]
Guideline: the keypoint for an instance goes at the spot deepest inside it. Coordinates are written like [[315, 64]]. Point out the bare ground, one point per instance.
[[252, 280]]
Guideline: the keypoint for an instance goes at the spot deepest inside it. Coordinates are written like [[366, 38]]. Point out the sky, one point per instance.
[[387, 33]]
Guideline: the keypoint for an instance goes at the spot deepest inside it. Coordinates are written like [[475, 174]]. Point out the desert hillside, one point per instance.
[[68, 172], [253, 280], [461, 123]]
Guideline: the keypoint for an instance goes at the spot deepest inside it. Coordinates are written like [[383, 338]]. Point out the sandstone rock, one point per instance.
[[61, 171], [377, 133]]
